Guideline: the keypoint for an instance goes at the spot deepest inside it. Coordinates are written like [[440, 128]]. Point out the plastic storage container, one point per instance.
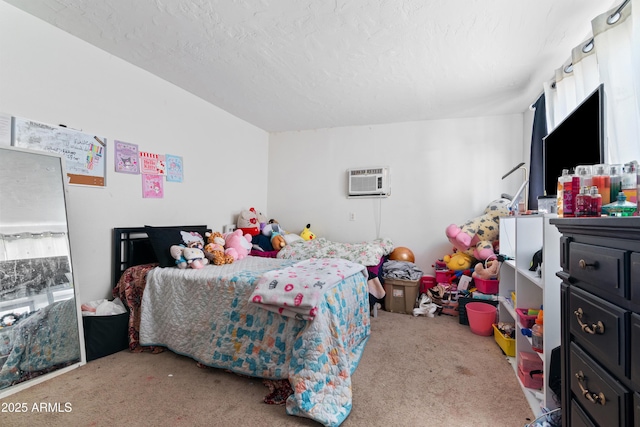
[[481, 316], [526, 320], [462, 308], [401, 295], [426, 283], [486, 286], [508, 345]]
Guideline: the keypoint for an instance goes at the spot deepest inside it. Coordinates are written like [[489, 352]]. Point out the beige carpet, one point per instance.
[[415, 371]]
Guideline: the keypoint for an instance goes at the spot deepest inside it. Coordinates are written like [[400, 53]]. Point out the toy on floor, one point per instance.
[[402, 254], [458, 261], [477, 236]]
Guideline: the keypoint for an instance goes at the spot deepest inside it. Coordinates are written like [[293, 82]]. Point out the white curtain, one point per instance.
[[611, 57]]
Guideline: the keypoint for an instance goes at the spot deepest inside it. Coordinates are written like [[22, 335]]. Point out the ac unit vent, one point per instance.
[[369, 182]]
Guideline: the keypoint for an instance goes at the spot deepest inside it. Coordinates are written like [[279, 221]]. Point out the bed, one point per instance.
[[213, 316]]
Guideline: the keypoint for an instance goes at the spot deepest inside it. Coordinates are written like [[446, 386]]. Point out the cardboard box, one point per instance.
[[401, 295]]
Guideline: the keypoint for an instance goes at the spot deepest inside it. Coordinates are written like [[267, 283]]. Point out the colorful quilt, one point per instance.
[[206, 314], [46, 339], [365, 253]]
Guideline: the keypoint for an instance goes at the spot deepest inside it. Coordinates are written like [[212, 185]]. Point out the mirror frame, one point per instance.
[[65, 190]]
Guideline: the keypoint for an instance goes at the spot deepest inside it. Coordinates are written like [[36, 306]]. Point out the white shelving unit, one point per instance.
[[520, 238]]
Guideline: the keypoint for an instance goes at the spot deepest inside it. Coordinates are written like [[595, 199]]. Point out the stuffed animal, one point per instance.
[[486, 271], [192, 239], [188, 257], [214, 250], [458, 261], [195, 257], [250, 221], [277, 241], [238, 245], [275, 234], [477, 236], [307, 234]]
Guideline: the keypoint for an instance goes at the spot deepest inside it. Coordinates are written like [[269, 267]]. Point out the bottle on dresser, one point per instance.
[[596, 202], [561, 182], [602, 180], [570, 191], [583, 202], [615, 179], [630, 181]]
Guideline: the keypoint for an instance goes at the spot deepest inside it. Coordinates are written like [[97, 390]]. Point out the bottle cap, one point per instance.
[[594, 190]]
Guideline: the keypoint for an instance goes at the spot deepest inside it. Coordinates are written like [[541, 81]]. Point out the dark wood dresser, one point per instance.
[[600, 321]]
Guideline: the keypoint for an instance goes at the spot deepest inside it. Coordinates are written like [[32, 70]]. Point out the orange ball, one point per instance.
[[402, 254]]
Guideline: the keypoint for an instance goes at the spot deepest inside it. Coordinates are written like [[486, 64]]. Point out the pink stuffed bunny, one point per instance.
[[237, 244]]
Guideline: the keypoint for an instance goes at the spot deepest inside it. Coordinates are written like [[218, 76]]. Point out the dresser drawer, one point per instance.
[[602, 397], [634, 278], [634, 360], [578, 417], [600, 328], [597, 265]]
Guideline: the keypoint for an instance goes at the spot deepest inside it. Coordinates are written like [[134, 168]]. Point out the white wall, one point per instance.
[[442, 172], [49, 76]]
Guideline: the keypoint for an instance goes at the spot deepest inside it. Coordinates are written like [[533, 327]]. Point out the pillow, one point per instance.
[[162, 238]]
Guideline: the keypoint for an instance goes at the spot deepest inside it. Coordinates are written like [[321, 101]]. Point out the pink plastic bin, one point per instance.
[[426, 283], [481, 318], [486, 286]]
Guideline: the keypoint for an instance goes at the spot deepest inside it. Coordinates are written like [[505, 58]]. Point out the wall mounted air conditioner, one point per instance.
[[369, 182]]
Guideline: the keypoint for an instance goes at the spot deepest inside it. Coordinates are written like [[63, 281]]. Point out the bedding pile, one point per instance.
[[365, 253], [207, 315], [296, 291]]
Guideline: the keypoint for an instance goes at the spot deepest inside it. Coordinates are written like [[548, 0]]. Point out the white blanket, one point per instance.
[[297, 290]]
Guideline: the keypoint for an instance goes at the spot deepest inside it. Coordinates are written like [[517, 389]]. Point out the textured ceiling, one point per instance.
[[286, 65]]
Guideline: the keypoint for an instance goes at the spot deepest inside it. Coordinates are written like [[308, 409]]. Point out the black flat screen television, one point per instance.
[[577, 140]]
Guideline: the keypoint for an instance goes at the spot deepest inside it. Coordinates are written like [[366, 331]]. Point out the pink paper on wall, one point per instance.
[[152, 186]]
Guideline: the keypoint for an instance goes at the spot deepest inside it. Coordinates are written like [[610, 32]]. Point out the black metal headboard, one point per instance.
[[131, 246]]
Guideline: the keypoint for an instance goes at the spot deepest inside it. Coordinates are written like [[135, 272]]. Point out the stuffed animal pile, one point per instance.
[[477, 236], [215, 250]]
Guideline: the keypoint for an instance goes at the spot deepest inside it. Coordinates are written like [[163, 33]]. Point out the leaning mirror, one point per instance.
[[39, 317]]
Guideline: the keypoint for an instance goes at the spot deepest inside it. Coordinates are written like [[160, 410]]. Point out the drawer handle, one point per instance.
[[584, 264], [595, 328], [591, 396]]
